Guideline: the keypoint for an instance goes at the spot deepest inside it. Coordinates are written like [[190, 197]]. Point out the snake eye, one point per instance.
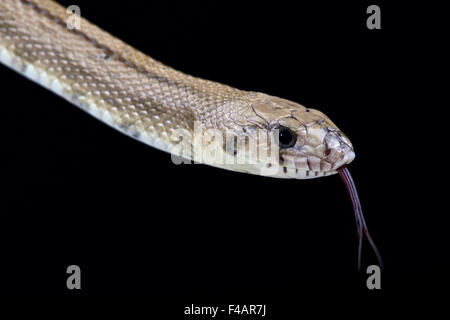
[[286, 137]]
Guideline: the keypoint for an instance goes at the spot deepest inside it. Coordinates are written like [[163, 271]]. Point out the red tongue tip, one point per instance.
[[360, 222]]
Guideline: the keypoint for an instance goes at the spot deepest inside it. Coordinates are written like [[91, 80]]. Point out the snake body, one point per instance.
[[153, 103], [189, 117]]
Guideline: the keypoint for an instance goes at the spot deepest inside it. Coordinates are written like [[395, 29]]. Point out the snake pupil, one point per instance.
[[286, 138]]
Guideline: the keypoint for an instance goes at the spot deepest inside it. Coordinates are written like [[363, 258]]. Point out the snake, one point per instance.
[[194, 119]]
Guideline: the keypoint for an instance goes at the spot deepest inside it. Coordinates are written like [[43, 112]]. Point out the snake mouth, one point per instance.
[[310, 166], [346, 159], [297, 173], [293, 173]]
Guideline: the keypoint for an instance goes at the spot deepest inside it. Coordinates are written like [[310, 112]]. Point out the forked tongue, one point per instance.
[[360, 222]]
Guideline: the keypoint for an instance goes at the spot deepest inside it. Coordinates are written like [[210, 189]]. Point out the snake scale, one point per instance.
[[168, 109]]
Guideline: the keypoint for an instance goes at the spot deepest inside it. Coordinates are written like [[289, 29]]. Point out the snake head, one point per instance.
[[304, 143]]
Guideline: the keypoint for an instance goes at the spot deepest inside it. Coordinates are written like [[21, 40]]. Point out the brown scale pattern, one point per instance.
[[138, 91]]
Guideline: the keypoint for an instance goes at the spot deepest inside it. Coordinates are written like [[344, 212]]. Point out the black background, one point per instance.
[[74, 191]]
